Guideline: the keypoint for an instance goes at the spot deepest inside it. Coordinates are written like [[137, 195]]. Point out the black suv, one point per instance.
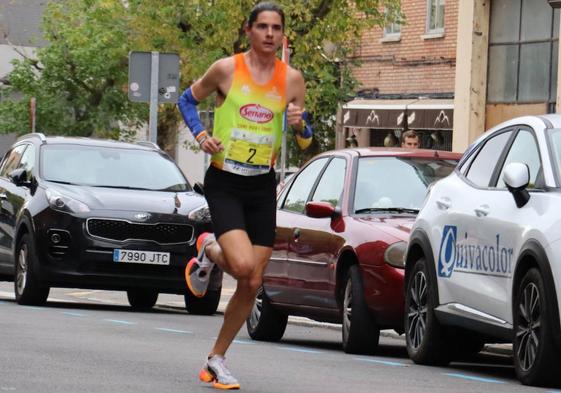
[[86, 213]]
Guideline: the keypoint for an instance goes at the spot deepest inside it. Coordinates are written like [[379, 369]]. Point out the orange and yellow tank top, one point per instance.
[[250, 120]]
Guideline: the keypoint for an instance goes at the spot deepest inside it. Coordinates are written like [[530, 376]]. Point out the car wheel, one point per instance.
[[360, 332], [427, 341], [27, 289], [536, 360], [265, 323], [206, 305], [142, 299]]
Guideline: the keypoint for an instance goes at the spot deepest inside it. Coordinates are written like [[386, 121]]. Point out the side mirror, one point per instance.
[[198, 187], [320, 210], [18, 177], [517, 177]]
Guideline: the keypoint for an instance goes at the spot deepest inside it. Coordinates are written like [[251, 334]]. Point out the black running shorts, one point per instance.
[[242, 202]]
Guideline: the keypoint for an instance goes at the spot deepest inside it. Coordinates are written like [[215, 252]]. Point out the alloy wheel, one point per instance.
[[21, 271], [347, 308], [529, 325], [417, 312], [255, 315]]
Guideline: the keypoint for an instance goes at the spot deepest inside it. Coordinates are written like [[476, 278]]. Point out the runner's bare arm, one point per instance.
[[297, 116], [296, 89]]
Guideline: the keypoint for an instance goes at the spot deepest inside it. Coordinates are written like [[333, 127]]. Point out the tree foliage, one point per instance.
[[80, 78]]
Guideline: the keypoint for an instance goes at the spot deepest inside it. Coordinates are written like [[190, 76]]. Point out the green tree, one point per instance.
[[80, 78]]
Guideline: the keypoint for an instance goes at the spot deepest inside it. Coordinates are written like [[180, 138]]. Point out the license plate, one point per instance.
[[146, 257]]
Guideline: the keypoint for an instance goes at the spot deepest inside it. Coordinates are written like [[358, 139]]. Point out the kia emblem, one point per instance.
[[142, 216]]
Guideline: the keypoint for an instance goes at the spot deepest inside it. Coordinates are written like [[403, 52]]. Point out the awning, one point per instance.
[[417, 114]]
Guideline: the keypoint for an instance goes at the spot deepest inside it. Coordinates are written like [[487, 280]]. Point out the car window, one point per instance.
[[330, 186], [102, 166], [27, 161], [12, 160], [524, 150], [396, 182], [302, 186], [483, 165]]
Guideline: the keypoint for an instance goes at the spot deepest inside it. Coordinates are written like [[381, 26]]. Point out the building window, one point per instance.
[[392, 28], [435, 16], [523, 51]]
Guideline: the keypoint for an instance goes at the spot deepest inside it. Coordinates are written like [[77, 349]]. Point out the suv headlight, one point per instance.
[[395, 254], [64, 203], [200, 214]]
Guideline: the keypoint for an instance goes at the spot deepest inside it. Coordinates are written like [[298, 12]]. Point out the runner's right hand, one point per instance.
[[212, 145]]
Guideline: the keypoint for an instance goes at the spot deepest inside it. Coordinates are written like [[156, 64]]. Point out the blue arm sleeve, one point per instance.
[[188, 107], [307, 132]]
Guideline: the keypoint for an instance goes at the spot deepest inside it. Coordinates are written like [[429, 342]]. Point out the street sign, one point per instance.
[[140, 70]]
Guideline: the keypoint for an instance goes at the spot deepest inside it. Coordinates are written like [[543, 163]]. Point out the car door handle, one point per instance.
[[482, 210], [296, 234], [444, 203]]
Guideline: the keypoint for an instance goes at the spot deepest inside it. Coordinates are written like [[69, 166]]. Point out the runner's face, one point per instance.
[[265, 35]]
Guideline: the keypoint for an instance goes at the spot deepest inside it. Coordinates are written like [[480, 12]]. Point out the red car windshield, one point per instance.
[[396, 182]]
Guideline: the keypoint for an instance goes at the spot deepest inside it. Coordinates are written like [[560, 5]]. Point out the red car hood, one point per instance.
[[397, 226]]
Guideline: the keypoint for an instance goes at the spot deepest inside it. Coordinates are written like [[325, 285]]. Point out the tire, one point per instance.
[[360, 332], [142, 299], [536, 358], [426, 340], [27, 289], [265, 323], [206, 305]]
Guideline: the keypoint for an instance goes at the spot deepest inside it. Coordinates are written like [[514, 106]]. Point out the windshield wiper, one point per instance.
[[122, 187], [387, 209]]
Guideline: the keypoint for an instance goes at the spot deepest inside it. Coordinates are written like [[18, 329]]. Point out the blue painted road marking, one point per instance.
[[472, 378], [174, 331], [74, 314], [120, 321], [238, 341], [298, 350], [384, 362]]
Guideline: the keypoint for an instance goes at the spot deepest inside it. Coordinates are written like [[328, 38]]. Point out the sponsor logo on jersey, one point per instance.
[[466, 255], [256, 113]]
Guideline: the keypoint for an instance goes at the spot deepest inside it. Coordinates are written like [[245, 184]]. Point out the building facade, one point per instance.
[[507, 64], [488, 61], [407, 78]]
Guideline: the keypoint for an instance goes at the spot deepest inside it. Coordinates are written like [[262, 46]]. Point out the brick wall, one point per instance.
[[414, 64]]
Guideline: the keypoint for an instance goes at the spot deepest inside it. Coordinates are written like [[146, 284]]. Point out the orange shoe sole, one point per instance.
[[188, 278], [201, 239], [207, 377]]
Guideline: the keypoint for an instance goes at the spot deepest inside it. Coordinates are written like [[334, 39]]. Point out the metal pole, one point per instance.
[[153, 122], [33, 111]]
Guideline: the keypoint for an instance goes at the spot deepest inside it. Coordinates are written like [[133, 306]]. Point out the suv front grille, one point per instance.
[[121, 230]]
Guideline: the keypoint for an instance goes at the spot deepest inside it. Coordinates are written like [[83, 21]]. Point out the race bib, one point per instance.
[[248, 153]]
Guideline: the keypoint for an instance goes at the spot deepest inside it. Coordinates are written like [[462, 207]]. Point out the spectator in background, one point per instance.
[[410, 139]]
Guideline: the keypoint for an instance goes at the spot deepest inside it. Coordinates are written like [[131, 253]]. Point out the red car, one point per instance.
[[343, 221]]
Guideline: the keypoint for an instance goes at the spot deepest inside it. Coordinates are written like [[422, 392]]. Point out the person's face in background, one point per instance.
[[411, 142]]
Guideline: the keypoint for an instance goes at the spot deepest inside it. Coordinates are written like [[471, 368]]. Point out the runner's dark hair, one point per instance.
[[265, 6]]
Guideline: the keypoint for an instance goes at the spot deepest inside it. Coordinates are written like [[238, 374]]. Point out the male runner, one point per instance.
[[253, 90]]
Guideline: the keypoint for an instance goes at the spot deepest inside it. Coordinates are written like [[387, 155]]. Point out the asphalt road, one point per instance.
[[89, 341]]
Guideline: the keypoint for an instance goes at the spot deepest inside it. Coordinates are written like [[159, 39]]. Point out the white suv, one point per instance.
[[484, 258]]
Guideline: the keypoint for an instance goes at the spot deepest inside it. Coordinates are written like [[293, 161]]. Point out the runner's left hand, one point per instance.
[[294, 115]]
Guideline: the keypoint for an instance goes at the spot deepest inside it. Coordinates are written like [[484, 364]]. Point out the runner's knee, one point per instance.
[[242, 269], [250, 284]]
